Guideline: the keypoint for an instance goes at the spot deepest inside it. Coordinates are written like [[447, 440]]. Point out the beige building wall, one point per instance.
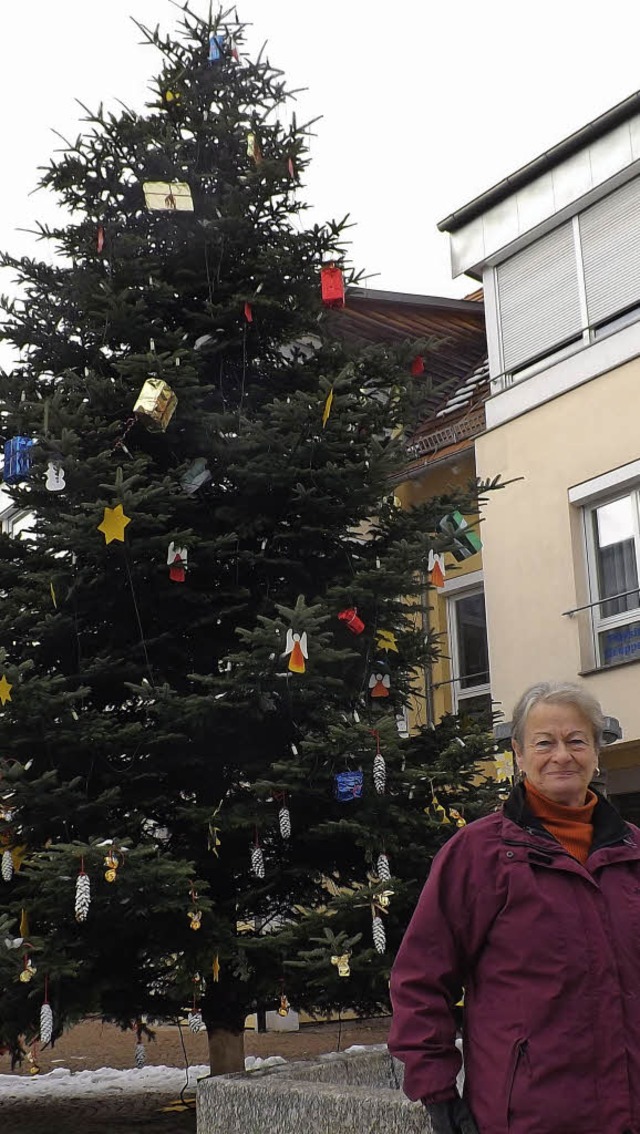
[[534, 562]]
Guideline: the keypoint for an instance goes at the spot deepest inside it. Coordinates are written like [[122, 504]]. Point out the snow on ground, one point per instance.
[[108, 1083]]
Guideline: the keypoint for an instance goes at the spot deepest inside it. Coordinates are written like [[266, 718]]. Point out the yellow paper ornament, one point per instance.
[[5, 689], [386, 640], [342, 963], [327, 407], [113, 524]]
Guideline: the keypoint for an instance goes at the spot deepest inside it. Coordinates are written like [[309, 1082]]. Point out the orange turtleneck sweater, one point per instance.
[[571, 826]]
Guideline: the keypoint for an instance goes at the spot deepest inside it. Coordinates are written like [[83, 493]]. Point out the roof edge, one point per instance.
[[611, 118], [435, 301]]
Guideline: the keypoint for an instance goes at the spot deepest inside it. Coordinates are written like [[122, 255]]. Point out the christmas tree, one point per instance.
[[213, 618]]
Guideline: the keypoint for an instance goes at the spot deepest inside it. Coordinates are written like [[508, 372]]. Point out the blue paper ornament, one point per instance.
[[216, 47], [17, 459], [348, 786]]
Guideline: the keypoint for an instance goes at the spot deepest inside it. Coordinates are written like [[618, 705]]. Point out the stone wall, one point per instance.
[[354, 1093]]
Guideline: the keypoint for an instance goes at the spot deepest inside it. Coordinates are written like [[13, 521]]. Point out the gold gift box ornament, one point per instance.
[[156, 404], [168, 196]]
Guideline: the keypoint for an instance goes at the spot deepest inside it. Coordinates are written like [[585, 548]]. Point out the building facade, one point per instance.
[[441, 459], [557, 247]]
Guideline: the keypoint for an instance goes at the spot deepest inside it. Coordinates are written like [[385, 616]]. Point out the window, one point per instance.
[[613, 548], [469, 653], [571, 285], [539, 298]]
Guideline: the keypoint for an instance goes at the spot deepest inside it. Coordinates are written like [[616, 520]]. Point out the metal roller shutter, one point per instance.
[[539, 298], [610, 239]]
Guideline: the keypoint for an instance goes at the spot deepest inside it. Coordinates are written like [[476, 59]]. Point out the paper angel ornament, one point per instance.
[[297, 650], [435, 567], [379, 684], [177, 562]]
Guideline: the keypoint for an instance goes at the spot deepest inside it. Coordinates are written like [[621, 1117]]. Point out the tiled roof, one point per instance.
[[455, 325]]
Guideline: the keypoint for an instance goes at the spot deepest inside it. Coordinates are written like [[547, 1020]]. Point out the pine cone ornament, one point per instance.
[[46, 1024], [195, 1022], [379, 773], [384, 870], [257, 862], [379, 935], [139, 1056], [83, 896], [7, 866], [284, 818]]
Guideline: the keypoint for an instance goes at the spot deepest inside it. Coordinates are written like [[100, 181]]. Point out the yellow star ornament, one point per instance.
[[5, 689], [114, 524]]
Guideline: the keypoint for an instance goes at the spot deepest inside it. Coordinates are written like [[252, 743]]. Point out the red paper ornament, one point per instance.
[[351, 619], [417, 366], [248, 313], [291, 168], [332, 283], [100, 238], [176, 570]]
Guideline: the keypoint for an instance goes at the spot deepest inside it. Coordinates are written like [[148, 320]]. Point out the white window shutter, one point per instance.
[[539, 298], [610, 239]]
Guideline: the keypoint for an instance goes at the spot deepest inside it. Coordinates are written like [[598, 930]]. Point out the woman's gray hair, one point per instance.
[[558, 693]]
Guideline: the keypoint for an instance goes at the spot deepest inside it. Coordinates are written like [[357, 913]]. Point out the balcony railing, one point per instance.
[[428, 443]]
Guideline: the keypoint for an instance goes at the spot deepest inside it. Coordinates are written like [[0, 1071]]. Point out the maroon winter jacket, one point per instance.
[[548, 952]]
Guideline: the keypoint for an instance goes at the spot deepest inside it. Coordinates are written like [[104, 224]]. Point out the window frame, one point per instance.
[[598, 624], [465, 586]]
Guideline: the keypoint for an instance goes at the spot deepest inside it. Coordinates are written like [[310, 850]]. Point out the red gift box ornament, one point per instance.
[[351, 620], [332, 284]]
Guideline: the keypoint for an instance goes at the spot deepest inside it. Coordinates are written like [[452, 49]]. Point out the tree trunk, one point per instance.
[[226, 1051]]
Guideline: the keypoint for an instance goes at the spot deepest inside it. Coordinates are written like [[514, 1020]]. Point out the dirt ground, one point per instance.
[[92, 1045]]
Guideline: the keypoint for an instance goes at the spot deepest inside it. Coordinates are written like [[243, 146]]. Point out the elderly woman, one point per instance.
[[535, 911]]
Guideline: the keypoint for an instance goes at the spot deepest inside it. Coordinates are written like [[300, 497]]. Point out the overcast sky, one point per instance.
[[423, 105]]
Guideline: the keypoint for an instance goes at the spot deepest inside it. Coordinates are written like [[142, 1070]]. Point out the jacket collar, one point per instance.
[[609, 828]]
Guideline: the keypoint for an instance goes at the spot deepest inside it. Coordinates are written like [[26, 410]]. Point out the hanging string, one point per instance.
[[139, 620], [244, 372]]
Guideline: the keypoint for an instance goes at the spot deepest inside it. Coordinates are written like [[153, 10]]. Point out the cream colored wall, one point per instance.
[[440, 479], [533, 558]]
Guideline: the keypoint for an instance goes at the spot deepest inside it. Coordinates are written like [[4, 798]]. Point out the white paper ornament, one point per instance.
[[7, 866], [379, 773], [384, 870], [195, 1022], [379, 935], [139, 1056], [46, 1024], [284, 818], [83, 896], [257, 862]]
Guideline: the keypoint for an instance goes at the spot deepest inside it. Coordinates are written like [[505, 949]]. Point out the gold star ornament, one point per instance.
[[5, 689], [114, 523]]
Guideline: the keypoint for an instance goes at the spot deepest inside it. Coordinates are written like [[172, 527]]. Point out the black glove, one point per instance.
[[453, 1117]]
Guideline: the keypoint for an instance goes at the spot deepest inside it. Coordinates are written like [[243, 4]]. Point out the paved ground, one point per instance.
[[92, 1045]]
